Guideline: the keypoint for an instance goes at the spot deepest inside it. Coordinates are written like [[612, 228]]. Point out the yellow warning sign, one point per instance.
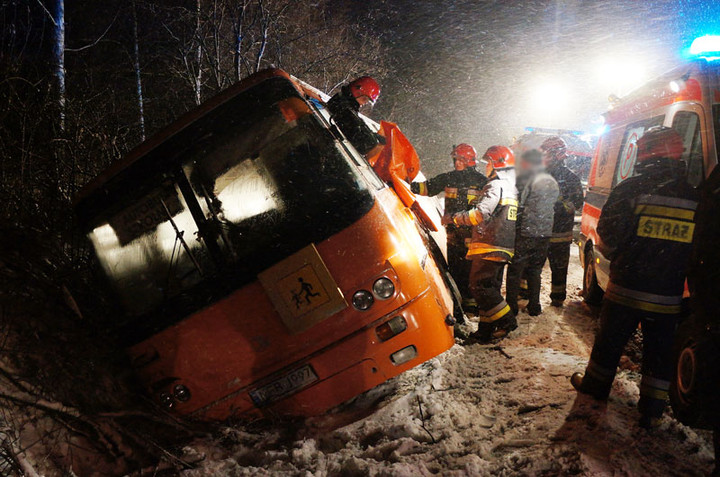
[[302, 290], [665, 229]]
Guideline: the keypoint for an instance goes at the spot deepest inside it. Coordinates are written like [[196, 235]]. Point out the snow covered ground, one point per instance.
[[476, 410]]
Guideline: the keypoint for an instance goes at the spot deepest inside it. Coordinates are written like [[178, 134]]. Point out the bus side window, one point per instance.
[[687, 124], [628, 151]]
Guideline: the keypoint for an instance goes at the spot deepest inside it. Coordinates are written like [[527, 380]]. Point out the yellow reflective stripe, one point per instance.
[[654, 393], [557, 288], [662, 211], [475, 216], [451, 192], [474, 192], [423, 188], [665, 229], [471, 197], [489, 319], [509, 202], [561, 239], [643, 305], [481, 248]]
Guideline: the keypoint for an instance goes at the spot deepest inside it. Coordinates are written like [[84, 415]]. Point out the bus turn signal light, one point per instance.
[[391, 328], [404, 355]]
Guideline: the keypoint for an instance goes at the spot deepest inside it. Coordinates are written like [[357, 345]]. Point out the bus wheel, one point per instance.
[[592, 293], [694, 355]]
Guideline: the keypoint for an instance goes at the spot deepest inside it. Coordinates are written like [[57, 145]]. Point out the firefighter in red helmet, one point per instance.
[[570, 200], [492, 244], [646, 229], [344, 108], [462, 187]]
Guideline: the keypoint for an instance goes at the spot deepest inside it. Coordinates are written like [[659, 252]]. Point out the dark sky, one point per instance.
[[481, 71]]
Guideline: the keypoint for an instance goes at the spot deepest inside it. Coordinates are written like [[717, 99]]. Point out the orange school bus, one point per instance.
[[686, 99], [261, 265]]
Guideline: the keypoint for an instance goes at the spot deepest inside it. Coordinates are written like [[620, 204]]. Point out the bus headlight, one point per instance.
[[182, 393], [383, 288], [166, 400], [362, 300], [404, 355]]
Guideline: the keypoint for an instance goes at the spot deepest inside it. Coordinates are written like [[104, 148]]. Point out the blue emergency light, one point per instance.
[[707, 47]]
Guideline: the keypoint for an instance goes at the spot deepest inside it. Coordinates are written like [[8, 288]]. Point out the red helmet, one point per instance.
[[660, 142], [365, 86], [465, 154], [499, 157], [554, 149]]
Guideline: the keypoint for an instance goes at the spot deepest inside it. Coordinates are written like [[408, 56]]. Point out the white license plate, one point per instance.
[[284, 386]]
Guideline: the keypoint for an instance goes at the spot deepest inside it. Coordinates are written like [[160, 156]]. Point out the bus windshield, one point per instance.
[[246, 186]]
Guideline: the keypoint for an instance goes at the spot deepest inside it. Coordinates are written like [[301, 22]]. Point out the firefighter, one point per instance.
[[538, 194], [492, 244], [646, 229], [462, 187], [704, 284], [571, 199], [344, 108]]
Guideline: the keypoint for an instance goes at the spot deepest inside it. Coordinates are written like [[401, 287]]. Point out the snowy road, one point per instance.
[[477, 410]]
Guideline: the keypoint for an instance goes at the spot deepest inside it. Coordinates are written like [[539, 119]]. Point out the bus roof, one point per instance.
[[176, 127]]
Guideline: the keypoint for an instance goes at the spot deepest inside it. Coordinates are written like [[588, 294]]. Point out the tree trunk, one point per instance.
[[59, 60], [198, 58], [138, 77]]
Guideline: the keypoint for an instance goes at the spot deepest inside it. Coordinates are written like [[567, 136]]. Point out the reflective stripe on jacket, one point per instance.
[[493, 219], [646, 228]]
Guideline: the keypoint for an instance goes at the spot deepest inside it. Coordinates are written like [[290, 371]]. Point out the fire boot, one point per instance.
[[585, 385], [496, 330]]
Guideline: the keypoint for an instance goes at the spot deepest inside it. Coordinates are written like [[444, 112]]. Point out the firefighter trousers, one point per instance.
[[460, 271], [530, 253], [486, 277], [617, 324], [559, 257]]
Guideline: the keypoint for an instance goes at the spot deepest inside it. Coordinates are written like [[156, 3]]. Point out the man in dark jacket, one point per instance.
[[646, 229], [344, 108], [462, 187], [704, 284], [538, 193], [571, 199]]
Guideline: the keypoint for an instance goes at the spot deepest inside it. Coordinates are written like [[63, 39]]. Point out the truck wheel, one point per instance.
[[691, 388], [592, 293]]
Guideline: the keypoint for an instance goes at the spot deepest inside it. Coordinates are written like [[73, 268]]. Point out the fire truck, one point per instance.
[[687, 99]]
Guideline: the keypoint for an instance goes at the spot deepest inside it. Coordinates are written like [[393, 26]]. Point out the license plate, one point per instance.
[[284, 386]]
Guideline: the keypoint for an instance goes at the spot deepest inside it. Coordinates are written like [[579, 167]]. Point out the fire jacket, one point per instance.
[[646, 229], [493, 219], [704, 272], [344, 112], [538, 193], [462, 188], [570, 200]]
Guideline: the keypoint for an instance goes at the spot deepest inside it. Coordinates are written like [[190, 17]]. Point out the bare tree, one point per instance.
[[138, 75]]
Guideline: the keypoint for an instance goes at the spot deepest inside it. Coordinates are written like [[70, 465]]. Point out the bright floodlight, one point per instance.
[[704, 45]]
